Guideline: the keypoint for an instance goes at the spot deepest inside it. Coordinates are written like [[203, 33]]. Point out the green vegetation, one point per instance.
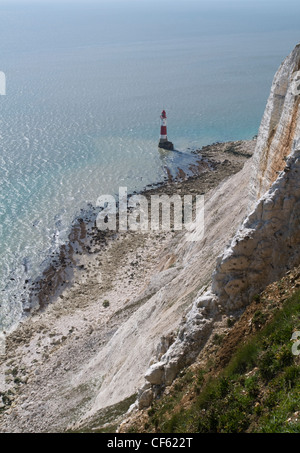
[[258, 391], [217, 339], [259, 318], [105, 303]]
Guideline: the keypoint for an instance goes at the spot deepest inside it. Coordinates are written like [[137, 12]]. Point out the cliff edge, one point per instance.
[[280, 126], [267, 244]]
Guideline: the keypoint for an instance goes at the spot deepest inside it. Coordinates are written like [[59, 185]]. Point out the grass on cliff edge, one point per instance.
[[258, 391]]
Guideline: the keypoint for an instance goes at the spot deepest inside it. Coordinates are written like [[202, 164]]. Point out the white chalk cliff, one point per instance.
[[280, 126], [268, 242]]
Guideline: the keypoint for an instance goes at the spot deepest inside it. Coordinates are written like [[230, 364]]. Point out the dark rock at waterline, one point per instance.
[[166, 145]]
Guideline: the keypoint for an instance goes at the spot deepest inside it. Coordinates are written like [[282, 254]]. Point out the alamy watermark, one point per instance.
[[2, 84], [2, 344], [161, 213], [296, 345]]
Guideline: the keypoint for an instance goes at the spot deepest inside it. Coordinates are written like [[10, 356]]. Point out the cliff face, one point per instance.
[[267, 245], [268, 242], [280, 126]]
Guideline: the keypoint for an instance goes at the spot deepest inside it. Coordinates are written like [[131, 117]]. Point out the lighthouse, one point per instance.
[[163, 140]]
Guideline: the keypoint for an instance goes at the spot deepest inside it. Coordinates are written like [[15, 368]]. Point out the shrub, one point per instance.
[[268, 365], [291, 375], [259, 319], [256, 298]]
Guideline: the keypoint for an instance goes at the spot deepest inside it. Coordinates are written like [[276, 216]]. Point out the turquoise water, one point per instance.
[[86, 84]]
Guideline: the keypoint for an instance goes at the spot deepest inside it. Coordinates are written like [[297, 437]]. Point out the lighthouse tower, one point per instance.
[[163, 127], [163, 140]]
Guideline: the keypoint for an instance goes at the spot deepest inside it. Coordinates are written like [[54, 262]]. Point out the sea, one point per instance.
[[85, 85]]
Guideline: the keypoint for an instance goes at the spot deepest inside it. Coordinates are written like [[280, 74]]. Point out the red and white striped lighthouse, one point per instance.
[[163, 140], [163, 127]]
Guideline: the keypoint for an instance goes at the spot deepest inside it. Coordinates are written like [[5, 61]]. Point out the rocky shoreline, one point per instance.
[[90, 290], [215, 162]]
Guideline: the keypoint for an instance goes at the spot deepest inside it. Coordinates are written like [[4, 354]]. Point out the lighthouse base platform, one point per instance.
[[166, 145]]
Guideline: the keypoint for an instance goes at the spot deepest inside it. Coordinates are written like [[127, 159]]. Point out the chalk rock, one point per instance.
[[280, 126], [164, 344], [160, 280], [273, 230], [171, 370], [155, 374], [145, 399], [192, 336]]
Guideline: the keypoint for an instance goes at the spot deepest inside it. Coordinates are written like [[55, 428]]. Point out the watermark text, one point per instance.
[[161, 212], [296, 345], [2, 84]]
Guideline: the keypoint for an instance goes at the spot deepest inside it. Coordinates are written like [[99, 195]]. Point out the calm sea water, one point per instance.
[[85, 88]]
